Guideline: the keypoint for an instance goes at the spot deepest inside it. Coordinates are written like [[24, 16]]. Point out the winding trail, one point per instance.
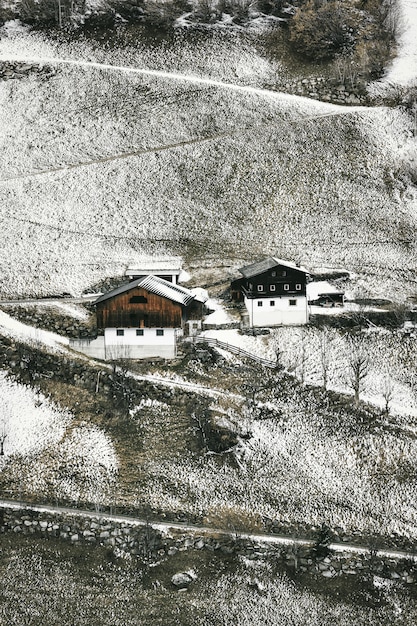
[[332, 110], [261, 538], [189, 78]]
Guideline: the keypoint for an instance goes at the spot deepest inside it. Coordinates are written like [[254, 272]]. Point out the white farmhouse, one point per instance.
[[274, 292]]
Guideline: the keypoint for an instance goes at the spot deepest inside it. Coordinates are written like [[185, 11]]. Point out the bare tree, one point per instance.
[[3, 436], [325, 356], [300, 356], [387, 392], [358, 366], [4, 426]]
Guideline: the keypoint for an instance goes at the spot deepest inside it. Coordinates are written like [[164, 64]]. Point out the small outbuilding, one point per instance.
[[324, 294], [168, 268]]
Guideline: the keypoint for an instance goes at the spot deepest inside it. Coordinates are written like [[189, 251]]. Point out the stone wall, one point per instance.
[[328, 91], [16, 69], [51, 319], [122, 536]]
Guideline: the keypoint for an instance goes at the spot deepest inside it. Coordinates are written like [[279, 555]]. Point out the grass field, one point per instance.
[[47, 582]]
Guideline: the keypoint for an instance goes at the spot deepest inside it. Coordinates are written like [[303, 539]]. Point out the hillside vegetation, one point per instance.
[[220, 172], [47, 582]]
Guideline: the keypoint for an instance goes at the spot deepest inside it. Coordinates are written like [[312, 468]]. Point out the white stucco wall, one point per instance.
[[280, 314], [130, 345]]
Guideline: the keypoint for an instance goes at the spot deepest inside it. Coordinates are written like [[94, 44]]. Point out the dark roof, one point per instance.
[[266, 264], [155, 285]]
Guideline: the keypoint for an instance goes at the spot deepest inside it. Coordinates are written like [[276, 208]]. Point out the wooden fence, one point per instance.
[[234, 349]]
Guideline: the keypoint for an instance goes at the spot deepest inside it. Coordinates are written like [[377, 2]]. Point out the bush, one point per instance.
[[163, 13], [234, 520], [320, 32], [130, 10]]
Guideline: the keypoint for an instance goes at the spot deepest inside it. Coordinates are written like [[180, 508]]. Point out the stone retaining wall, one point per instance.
[[53, 320], [16, 69], [328, 91], [148, 542]]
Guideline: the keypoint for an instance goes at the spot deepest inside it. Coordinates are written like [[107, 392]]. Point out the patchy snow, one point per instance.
[[184, 277], [29, 421], [77, 312], [22, 332], [90, 464], [12, 28], [403, 70], [45, 455], [219, 314], [200, 294]]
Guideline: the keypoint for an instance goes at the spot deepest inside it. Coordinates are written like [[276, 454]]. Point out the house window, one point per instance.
[[260, 303], [293, 302], [272, 303], [298, 287], [273, 273], [272, 287], [159, 332], [286, 287], [260, 287], [138, 300], [120, 332], [139, 332], [284, 272]]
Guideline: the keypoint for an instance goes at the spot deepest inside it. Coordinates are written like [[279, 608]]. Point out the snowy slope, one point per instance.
[[171, 152]]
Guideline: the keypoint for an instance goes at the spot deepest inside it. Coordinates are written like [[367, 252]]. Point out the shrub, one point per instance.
[[320, 32], [233, 519], [130, 10], [163, 13]]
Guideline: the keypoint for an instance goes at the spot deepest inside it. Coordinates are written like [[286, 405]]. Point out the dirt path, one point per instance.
[[261, 538]]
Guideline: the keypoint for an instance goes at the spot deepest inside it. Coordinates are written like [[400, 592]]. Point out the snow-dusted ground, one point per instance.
[[28, 420], [22, 332], [403, 70], [45, 454], [167, 146]]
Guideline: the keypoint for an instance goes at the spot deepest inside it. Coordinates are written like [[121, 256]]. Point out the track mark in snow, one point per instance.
[[180, 144], [116, 157]]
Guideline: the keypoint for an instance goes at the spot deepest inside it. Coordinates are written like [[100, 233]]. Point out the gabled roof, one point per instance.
[[155, 285], [266, 264], [164, 265]]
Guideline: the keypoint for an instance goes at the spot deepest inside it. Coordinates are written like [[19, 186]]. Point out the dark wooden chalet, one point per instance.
[[148, 302], [270, 278]]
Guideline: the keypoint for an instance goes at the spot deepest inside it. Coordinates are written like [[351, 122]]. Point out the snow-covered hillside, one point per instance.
[[99, 165]]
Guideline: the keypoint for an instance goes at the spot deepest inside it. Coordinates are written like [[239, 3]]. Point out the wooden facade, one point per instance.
[[277, 281], [280, 281], [139, 308]]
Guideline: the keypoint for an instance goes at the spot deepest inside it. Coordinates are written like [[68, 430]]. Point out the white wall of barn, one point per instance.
[[130, 345], [262, 313], [152, 342]]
